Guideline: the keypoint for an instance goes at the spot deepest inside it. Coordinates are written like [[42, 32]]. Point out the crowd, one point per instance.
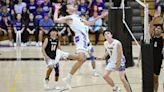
[[35, 18]]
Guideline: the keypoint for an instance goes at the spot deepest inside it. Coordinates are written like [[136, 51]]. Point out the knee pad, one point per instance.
[[92, 58]]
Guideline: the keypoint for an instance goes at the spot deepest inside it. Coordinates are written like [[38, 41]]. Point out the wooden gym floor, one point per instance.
[[27, 75]]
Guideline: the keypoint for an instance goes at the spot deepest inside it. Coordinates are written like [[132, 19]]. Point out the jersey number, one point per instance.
[[53, 47]]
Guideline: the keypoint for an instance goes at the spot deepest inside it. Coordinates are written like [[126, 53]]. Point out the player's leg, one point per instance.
[[124, 81], [157, 69], [109, 80], [92, 58], [56, 68], [122, 75], [156, 83], [93, 63], [108, 70], [48, 73], [81, 57]]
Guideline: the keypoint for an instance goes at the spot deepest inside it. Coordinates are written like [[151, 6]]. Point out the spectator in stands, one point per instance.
[[10, 8], [4, 12], [32, 6], [47, 7], [159, 3], [19, 7], [45, 25], [19, 25], [5, 27], [100, 6], [39, 2], [25, 14], [63, 30], [95, 29], [83, 7], [38, 14], [31, 26]]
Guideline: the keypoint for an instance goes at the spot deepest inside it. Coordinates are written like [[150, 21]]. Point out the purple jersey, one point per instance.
[[32, 7], [3, 24], [9, 8], [38, 16], [101, 7], [31, 24], [46, 7], [18, 24], [83, 8]]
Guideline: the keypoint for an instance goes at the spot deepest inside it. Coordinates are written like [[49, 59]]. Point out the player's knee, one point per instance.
[[82, 58], [105, 76], [50, 67], [122, 78]]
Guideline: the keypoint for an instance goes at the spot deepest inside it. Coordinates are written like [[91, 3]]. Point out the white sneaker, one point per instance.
[[39, 44], [15, 44], [117, 89], [67, 81], [57, 88], [11, 43], [23, 44], [33, 43], [46, 84], [95, 74]]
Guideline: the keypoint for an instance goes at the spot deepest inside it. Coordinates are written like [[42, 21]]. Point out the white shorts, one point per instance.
[[81, 43], [111, 65], [59, 54]]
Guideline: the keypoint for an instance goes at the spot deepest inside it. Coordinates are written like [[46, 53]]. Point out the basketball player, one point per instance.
[[157, 42], [116, 62], [78, 27], [52, 54]]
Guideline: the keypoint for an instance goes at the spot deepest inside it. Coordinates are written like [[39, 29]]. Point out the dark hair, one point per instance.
[[160, 25], [107, 31], [52, 29]]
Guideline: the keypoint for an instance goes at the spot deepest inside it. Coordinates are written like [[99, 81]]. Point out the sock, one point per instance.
[[114, 88], [69, 76], [56, 82], [94, 70]]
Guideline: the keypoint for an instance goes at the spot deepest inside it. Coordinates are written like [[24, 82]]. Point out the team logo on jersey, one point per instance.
[[53, 47]]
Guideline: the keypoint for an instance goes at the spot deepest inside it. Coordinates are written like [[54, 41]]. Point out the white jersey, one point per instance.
[[81, 33], [77, 25], [112, 49]]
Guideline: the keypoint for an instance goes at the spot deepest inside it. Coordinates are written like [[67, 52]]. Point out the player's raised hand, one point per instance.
[[104, 14], [57, 6]]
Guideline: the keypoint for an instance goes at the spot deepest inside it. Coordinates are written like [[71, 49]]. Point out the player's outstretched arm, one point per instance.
[[104, 14], [103, 57], [61, 19]]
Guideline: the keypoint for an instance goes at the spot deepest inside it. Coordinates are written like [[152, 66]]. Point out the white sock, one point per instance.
[[69, 76], [114, 88], [56, 82], [94, 70]]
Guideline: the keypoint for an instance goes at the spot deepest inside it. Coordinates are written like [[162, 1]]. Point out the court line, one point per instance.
[[17, 77], [81, 86]]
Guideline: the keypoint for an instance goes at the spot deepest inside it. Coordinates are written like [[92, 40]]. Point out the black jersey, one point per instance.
[[157, 45], [51, 48], [157, 53]]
